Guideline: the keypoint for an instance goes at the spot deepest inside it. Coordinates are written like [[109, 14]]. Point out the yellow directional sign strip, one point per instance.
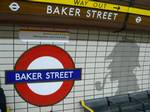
[[99, 5], [139, 11]]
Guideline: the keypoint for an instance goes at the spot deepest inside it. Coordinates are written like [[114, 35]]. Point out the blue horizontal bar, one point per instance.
[[31, 76]]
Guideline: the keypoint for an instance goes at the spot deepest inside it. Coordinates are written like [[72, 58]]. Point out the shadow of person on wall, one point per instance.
[[124, 60]]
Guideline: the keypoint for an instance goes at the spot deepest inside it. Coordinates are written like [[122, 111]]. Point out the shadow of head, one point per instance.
[[124, 58]]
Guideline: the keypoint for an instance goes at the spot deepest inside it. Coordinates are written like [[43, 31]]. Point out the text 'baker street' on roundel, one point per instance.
[[44, 57]]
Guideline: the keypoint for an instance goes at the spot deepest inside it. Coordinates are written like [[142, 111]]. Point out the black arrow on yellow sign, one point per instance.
[[117, 8]]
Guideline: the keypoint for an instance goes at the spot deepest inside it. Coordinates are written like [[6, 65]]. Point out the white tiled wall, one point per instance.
[[89, 50]]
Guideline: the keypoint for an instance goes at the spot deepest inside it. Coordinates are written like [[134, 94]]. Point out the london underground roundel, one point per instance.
[[44, 57]]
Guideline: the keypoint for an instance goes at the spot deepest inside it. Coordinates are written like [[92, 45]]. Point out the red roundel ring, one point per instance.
[[30, 55]]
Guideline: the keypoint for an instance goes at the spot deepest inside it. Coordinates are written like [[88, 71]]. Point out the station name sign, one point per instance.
[[32, 76], [75, 8], [98, 5], [78, 9], [77, 12]]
